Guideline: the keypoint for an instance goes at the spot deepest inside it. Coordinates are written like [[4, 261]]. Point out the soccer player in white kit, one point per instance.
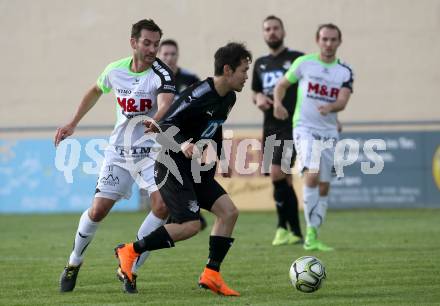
[[325, 85], [143, 86]]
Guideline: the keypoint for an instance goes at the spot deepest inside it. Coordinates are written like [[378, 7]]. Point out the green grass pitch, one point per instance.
[[382, 257]]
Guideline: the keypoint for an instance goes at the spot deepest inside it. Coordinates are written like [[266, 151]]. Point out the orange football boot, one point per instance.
[[126, 256], [213, 280]]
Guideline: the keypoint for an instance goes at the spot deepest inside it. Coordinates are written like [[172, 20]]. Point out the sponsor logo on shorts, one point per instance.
[[110, 180], [193, 206]]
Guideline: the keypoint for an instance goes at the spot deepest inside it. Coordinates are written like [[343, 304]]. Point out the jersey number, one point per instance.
[[211, 128]]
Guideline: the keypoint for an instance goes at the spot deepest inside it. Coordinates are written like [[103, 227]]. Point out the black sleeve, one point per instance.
[[256, 81], [298, 54], [168, 142], [348, 82], [167, 82], [183, 109], [195, 79]]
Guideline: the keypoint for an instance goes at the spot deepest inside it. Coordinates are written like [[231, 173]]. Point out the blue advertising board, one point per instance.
[[31, 180], [410, 176], [37, 178]]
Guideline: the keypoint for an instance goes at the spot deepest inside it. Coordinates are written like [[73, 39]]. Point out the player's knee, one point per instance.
[[231, 213], [158, 205], [311, 179], [96, 214], [159, 209], [324, 189]]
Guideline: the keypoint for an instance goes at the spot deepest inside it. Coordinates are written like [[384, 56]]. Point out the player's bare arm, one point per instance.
[[262, 101], [89, 100], [338, 105], [164, 101], [279, 111]]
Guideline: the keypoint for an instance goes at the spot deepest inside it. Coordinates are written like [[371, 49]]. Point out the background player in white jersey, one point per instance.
[[143, 86], [169, 54], [268, 70], [325, 86]]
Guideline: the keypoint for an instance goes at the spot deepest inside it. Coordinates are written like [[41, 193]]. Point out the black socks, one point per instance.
[[158, 239], [218, 248]]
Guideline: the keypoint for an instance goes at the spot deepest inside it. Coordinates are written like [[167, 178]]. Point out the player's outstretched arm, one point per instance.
[[89, 100], [279, 111]]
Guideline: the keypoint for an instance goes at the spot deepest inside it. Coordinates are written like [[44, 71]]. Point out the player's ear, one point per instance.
[[227, 70], [133, 43]]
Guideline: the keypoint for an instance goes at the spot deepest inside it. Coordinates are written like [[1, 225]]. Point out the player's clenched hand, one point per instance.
[[190, 150], [324, 109], [62, 133], [280, 112], [263, 102], [150, 126]]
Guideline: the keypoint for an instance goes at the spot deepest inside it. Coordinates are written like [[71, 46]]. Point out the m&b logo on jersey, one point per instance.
[[322, 90], [132, 105]]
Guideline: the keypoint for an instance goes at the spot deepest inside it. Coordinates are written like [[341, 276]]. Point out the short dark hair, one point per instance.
[[273, 17], [144, 24], [232, 54], [169, 42], [328, 26]]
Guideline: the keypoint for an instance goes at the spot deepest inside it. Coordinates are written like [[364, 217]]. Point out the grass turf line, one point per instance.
[[382, 257]]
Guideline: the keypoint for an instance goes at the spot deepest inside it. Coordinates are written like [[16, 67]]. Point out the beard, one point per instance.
[[275, 44]]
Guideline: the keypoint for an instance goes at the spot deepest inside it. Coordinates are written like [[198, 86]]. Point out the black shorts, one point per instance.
[[185, 200], [285, 153]]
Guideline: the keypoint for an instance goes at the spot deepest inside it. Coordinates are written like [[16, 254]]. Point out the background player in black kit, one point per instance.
[[169, 54], [198, 114], [267, 71]]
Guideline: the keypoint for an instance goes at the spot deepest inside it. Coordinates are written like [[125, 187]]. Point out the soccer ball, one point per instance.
[[307, 274]]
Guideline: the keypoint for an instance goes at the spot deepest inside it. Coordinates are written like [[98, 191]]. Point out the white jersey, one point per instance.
[[136, 95], [319, 83]]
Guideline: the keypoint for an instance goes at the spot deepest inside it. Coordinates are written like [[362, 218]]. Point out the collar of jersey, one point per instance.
[[132, 72], [279, 54], [316, 56], [210, 81]]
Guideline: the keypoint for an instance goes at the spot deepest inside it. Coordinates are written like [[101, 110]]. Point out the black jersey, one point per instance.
[[267, 71], [184, 79], [199, 113]]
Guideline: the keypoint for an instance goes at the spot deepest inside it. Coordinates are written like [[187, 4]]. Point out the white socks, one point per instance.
[[311, 206], [86, 232], [84, 235], [150, 223], [322, 211]]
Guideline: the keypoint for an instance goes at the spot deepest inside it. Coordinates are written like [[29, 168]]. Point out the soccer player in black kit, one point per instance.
[[267, 71], [169, 54], [198, 114]]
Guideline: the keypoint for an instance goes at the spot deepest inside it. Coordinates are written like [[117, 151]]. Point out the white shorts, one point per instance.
[[315, 151], [122, 167]]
